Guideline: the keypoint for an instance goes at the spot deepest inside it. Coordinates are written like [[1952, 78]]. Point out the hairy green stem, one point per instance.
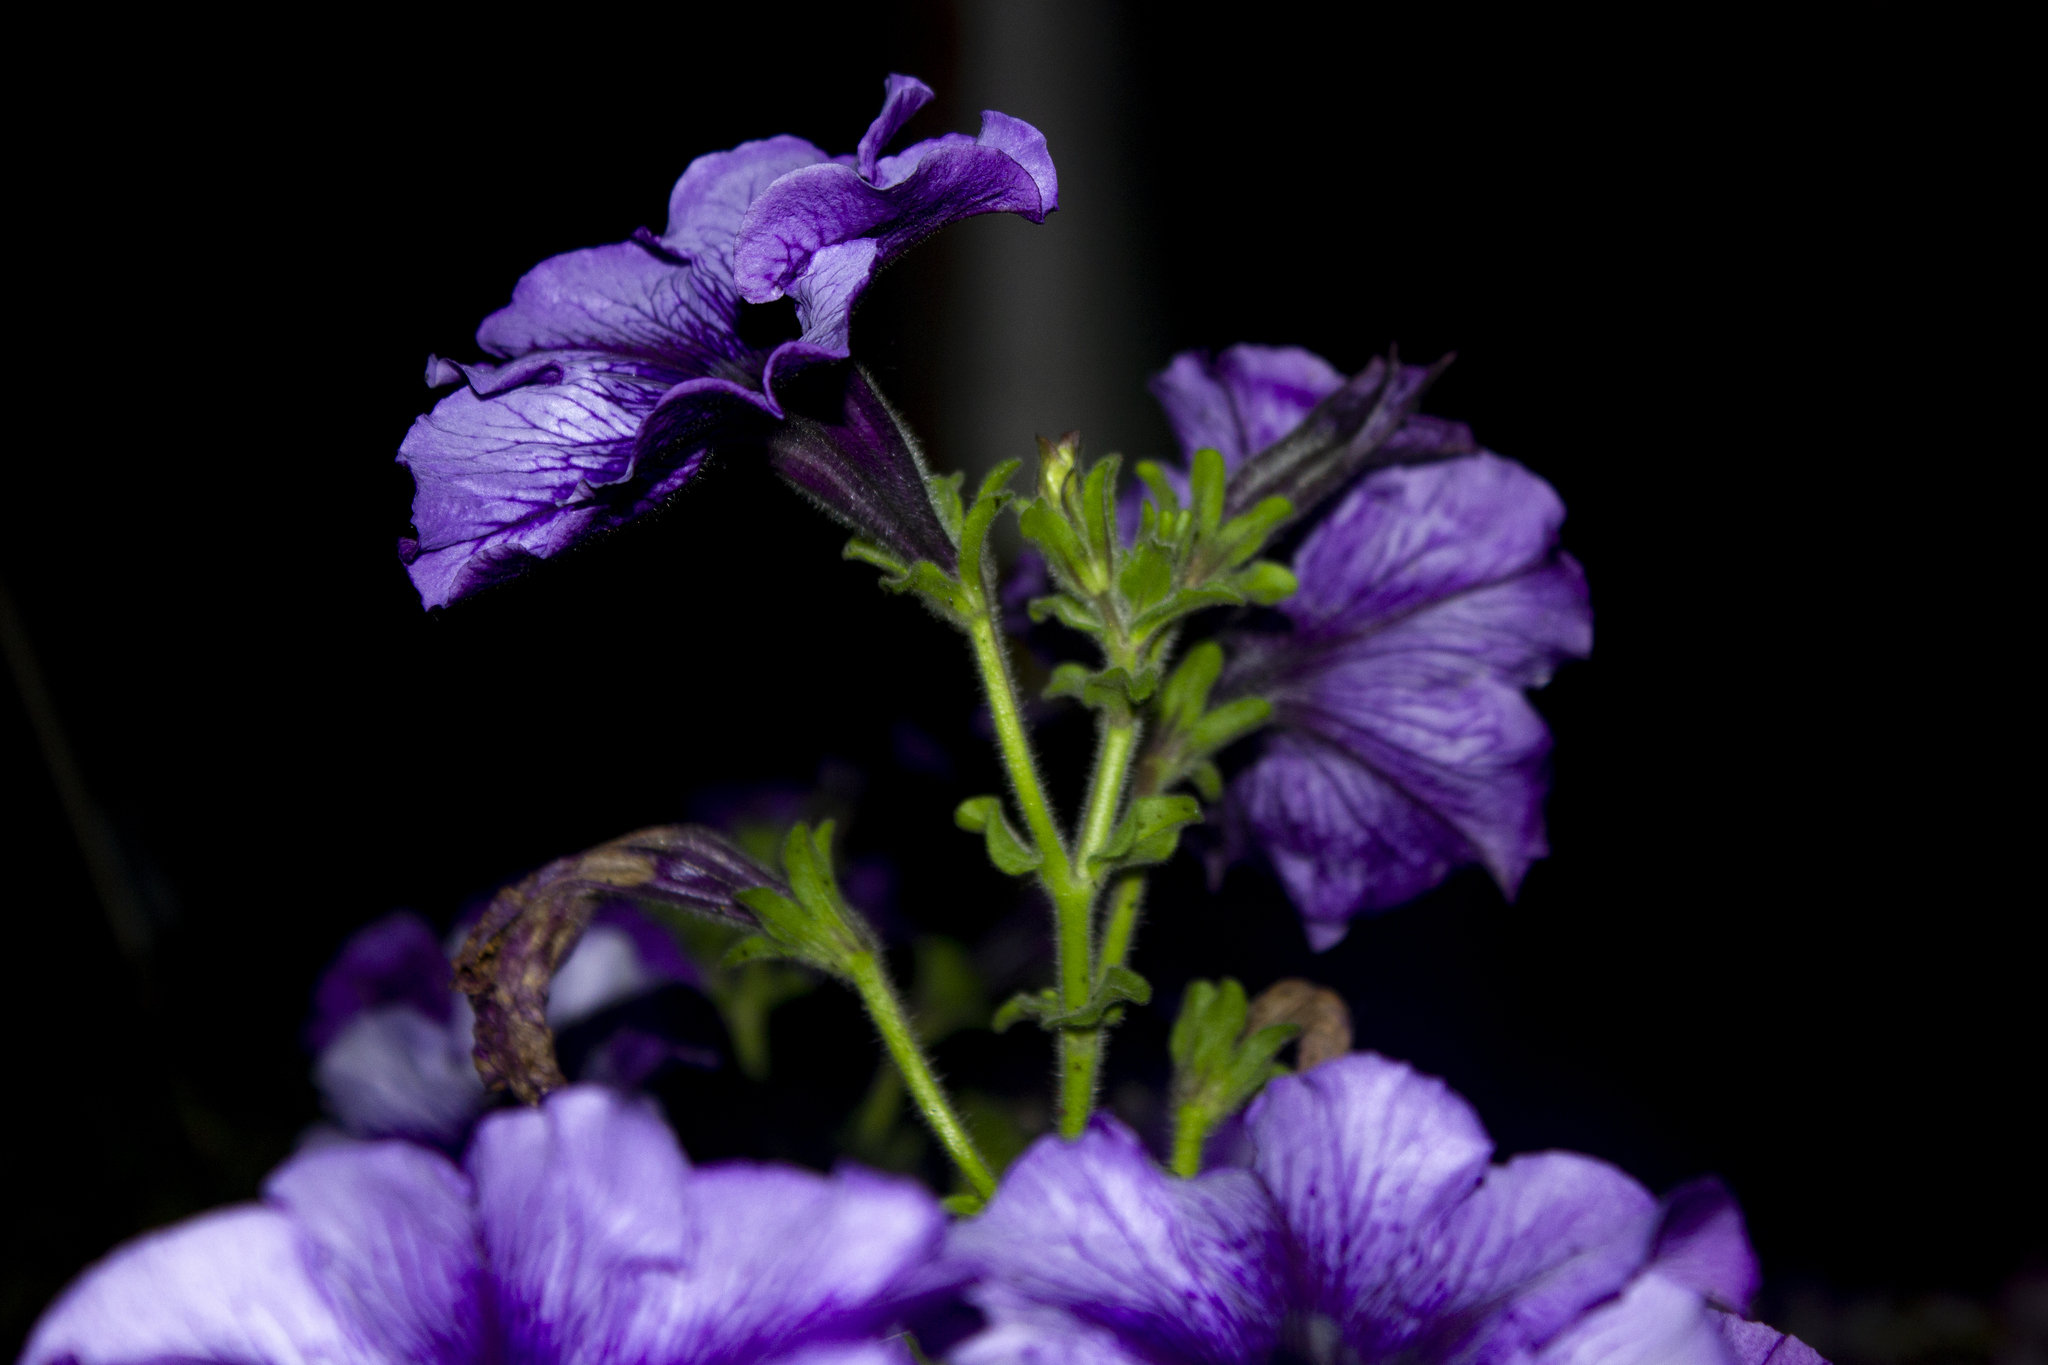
[[1190, 1129], [1081, 1052], [887, 1012], [1123, 919]]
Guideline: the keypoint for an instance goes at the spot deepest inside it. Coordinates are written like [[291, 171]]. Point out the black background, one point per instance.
[[1686, 278]]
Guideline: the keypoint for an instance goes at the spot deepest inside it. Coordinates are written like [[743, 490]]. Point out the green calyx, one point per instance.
[[1217, 1068], [812, 925]]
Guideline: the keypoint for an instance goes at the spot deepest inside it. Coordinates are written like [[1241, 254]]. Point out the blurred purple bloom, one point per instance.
[[576, 1231], [624, 365], [1433, 594], [1371, 1225], [393, 1037]]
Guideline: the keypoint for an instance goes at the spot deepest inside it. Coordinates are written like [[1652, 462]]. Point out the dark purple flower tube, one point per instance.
[[1370, 1224], [624, 366], [1433, 594]]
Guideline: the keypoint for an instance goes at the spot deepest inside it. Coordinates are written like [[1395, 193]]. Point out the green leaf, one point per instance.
[[752, 948], [1206, 481], [1078, 615], [983, 815], [1266, 582], [1148, 833], [1216, 1068], [1187, 691], [813, 924], [1098, 509], [1068, 680], [963, 1205], [1182, 603], [870, 553], [944, 490], [1162, 490], [1208, 780], [1244, 536], [1045, 525], [1147, 577], [1118, 986], [989, 500], [1228, 723]]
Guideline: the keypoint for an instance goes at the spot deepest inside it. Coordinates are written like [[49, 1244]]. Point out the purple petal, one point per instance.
[[1362, 1155], [1412, 536], [396, 960], [1704, 1246], [390, 1237], [1542, 1239], [709, 202], [902, 97], [1755, 1343], [393, 1072], [623, 299], [1656, 1322], [1244, 400], [1021, 1332], [601, 1233], [517, 474], [229, 1285], [792, 227], [1095, 1231]]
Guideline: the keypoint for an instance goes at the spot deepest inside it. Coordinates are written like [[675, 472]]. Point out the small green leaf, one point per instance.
[[1098, 509], [1216, 1068], [944, 490], [1183, 603], [1162, 489], [1228, 723], [1208, 780], [1266, 582], [1147, 577], [1068, 680], [989, 500], [983, 815], [868, 552], [1069, 612], [1045, 525], [1118, 986], [1244, 536], [1025, 1005], [1187, 691], [1206, 481], [1148, 833], [963, 1205]]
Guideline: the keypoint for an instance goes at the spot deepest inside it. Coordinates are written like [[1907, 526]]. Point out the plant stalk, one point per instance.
[[887, 1012]]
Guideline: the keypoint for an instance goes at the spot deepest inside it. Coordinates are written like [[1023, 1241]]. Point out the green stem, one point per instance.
[[1123, 919], [1105, 792], [1190, 1128], [887, 1012], [1016, 747], [1081, 1052]]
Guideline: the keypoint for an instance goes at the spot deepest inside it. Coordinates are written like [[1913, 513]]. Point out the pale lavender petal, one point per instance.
[[793, 224], [1518, 630], [622, 954], [710, 200], [1704, 1246], [1362, 1156], [1542, 1239], [1021, 1332], [232, 1285], [1756, 1343], [1093, 1228], [624, 299], [902, 96], [396, 960], [1414, 535], [608, 1247], [1656, 1322], [1244, 400], [390, 1236], [393, 1072]]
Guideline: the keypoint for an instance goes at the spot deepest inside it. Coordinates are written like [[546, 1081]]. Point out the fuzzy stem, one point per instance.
[[887, 1012], [1123, 919]]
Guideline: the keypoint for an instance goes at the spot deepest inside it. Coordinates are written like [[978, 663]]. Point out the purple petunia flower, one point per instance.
[[1370, 1226], [393, 1037], [1433, 593], [624, 365], [573, 1232]]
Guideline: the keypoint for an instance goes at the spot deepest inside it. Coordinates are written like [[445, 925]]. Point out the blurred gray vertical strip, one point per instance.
[[1052, 327], [103, 859]]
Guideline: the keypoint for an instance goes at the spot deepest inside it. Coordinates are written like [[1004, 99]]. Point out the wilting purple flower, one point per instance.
[[1433, 593], [624, 365], [1370, 1226], [393, 1037], [576, 1231]]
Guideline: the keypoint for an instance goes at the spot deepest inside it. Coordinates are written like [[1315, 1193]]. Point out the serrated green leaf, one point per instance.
[[983, 815]]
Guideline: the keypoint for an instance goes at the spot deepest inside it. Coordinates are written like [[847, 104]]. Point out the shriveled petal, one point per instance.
[[799, 218], [508, 472], [1415, 535], [231, 1285], [390, 1236], [1244, 399], [1363, 1156], [626, 299], [608, 1247], [1704, 1246], [393, 1072], [396, 960], [902, 96], [1756, 1343], [1542, 1239], [1656, 1322], [710, 200], [1191, 1269]]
